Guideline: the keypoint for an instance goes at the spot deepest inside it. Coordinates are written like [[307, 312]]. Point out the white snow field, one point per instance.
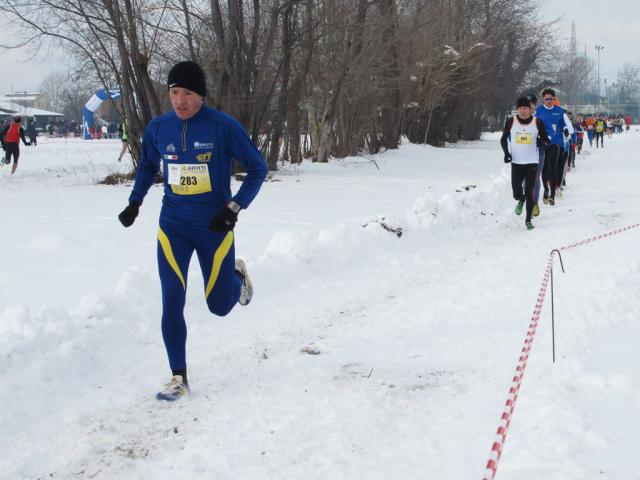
[[362, 355]]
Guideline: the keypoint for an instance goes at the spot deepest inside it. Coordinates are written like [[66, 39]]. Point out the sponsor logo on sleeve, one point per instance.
[[204, 157]]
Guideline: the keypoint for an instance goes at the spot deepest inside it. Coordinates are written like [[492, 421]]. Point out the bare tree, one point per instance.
[[302, 67], [55, 86], [344, 75], [118, 39], [390, 75], [629, 83]]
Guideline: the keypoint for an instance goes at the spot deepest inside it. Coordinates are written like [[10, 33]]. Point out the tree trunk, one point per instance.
[[278, 120], [352, 49], [295, 92], [390, 76]]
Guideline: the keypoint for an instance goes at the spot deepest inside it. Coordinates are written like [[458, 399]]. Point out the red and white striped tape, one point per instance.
[[516, 382], [600, 237], [510, 405]]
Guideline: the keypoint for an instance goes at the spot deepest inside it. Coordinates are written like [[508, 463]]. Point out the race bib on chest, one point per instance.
[[189, 178], [523, 138]]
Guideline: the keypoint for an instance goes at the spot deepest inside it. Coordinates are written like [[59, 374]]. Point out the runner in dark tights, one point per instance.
[[11, 135]]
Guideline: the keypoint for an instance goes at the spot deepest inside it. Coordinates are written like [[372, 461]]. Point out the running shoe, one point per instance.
[[536, 210], [519, 206], [246, 291], [173, 390]]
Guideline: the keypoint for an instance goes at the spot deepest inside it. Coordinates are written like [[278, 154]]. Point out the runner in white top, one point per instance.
[[524, 133]]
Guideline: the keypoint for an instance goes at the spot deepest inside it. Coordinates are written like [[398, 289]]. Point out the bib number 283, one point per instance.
[[189, 179]]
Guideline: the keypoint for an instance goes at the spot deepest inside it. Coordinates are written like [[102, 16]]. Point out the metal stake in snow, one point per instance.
[[510, 405], [553, 321]]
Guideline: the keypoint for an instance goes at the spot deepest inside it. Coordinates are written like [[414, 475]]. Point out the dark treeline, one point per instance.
[[309, 78]]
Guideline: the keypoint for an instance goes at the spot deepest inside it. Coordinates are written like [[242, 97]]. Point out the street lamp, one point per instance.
[[598, 48]]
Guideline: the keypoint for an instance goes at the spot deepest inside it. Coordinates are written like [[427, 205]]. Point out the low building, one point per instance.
[[38, 100], [10, 108]]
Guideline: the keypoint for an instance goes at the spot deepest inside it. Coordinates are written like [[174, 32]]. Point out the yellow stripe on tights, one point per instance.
[[218, 257], [168, 253]]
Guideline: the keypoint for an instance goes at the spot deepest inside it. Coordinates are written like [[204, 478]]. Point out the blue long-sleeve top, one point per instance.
[[553, 119], [196, 156]]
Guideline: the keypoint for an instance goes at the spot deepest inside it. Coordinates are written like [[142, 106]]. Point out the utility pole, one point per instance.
[[574, 94], [618, 92], [599, 48]]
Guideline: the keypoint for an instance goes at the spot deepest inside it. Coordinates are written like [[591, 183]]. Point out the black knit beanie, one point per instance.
[[522, 102], [188, 75]]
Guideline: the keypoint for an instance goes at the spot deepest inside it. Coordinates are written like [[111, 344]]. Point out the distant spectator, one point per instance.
[[122, 130], [32, 133]]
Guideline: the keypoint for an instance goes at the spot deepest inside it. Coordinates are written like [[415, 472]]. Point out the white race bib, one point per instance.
[[188, 178]]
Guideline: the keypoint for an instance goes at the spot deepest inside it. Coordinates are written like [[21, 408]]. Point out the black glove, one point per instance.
[[224, 221], [566, 132], [129, 214], [507, 157], [544, 142]]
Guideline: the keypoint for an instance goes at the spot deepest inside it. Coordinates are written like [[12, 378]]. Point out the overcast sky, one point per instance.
[[20, 72], [614, 24]]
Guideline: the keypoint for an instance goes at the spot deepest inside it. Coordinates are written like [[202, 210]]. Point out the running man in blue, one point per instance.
[[196, 145], [533, 101], [554, 122]]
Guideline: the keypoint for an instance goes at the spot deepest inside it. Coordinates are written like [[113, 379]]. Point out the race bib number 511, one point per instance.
[[523, 138], [189, 179]]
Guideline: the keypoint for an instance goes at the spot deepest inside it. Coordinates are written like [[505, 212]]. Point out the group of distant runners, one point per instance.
[[541, 143], [13, 132]]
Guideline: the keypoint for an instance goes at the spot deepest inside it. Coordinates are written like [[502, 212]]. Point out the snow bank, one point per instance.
[[470, 207]]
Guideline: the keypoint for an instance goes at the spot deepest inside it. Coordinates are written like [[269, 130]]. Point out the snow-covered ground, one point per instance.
[[415, 338]]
